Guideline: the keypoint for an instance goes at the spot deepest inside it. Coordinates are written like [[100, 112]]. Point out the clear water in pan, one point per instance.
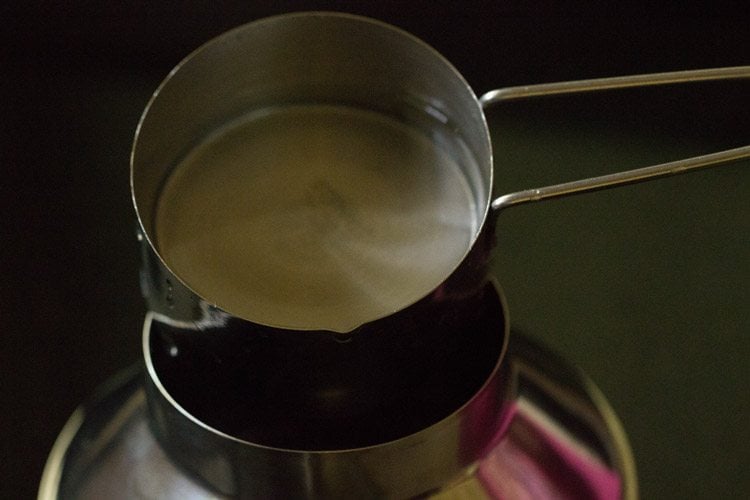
[[316, 217]]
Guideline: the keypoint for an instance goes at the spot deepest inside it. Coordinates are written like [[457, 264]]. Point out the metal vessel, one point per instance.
[[433, 398], [532, 427]]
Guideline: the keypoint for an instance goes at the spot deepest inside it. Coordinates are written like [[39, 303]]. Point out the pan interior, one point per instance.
[[318, 216]]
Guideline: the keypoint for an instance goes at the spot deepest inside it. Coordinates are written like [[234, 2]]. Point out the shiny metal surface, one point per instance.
[[313, 58], [620, 178], [430, 411], [385, 415], [613, 83], [670, 271], [344, 60], [555, 438]]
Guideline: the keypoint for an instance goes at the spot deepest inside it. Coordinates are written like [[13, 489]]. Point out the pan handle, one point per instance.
[[630, 176]]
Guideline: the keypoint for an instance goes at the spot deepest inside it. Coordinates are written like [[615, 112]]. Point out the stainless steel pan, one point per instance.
[[330, 247]]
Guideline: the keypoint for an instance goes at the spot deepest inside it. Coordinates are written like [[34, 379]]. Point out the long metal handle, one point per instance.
[[629, 176]]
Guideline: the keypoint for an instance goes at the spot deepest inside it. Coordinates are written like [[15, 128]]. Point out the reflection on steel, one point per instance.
[[620, 178], [612, 83], [556, 438]]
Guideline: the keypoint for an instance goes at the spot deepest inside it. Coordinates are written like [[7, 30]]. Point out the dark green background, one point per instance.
[[646, 287]]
